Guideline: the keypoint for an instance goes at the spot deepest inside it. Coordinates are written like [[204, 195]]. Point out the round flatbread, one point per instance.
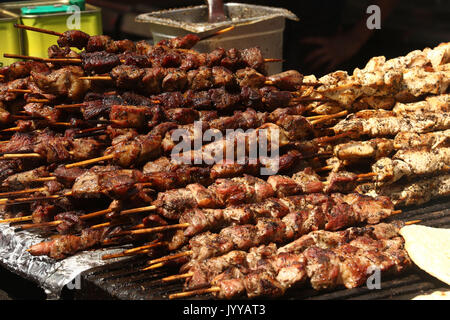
[[429, 249], [436, 295]]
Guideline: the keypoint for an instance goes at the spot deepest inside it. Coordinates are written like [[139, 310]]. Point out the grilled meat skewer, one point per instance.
[[199, 274]]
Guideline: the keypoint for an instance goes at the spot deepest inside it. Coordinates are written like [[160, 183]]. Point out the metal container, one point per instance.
[[35, 43], [254, 26], [10, 42]]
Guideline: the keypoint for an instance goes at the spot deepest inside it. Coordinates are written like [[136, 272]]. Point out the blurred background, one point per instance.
[[330, 35]]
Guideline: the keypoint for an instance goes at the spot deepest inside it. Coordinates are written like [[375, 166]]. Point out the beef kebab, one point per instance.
[[142, 148], [199, 274], [275, 229], [326, 263], [279, 221]]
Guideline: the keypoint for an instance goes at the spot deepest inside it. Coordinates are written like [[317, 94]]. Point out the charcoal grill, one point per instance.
[[122, 280]]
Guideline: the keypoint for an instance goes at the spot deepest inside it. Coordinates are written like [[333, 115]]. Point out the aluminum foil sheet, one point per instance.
[[49, 274]]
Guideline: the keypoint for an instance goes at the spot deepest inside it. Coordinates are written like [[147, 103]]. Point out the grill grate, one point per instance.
[[123, 280]]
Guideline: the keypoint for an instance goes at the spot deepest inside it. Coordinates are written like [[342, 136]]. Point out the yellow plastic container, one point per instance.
[[10, 37], [36, 43]]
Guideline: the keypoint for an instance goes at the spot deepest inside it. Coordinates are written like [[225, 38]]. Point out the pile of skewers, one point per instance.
[[95, 129]]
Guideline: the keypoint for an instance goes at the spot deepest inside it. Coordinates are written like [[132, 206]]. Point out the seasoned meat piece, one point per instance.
[[175, 80], [74, 38], [200, 79], [251, 97], [101, 43], [129, 116], [99, 62], [63, 82], [290, 80], [41, 110], [126, 76], [249, 77], [137, 60], [253, 58], [214, 57], [43, 212], [181, 115], [23, 180], [152, 79], [71, 222], [125, 45], [186, 42]]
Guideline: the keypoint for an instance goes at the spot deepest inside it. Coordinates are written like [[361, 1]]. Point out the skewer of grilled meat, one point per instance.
[[199, 274], [80, 40], [158, 79], [412, 163], [347, 264], [247, 189], [243, 237], [355, 151], [411, 192], [405, 78], [51, 146], [150, 146], [66, 245], [381, 123], [22, 69], [297, 215]]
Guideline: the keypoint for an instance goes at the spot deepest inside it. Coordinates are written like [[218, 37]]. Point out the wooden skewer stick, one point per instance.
[[177, 277], [12, 193], [170, 257], [15, 129], [39, 225], [363, 176], [96, 78], [137, 210], [218, 33], [44, 179], [33, 100], [21, 26], [18, 219], [133, 251], [154, 266], [64, 60], [20, 90], [155, 229], [326, 168], [19, 156], [69, 106], [193, 292], [328, 117], [7, 201], [407, 223], [273, 60], [86, 162]]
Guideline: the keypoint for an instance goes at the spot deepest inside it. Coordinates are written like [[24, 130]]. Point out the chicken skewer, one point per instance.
[[405, 78], [380, 123], [355, 151], [411, 192]]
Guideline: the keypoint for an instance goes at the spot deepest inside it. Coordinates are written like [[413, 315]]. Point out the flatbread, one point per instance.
[[436, 295], [429, 249]]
